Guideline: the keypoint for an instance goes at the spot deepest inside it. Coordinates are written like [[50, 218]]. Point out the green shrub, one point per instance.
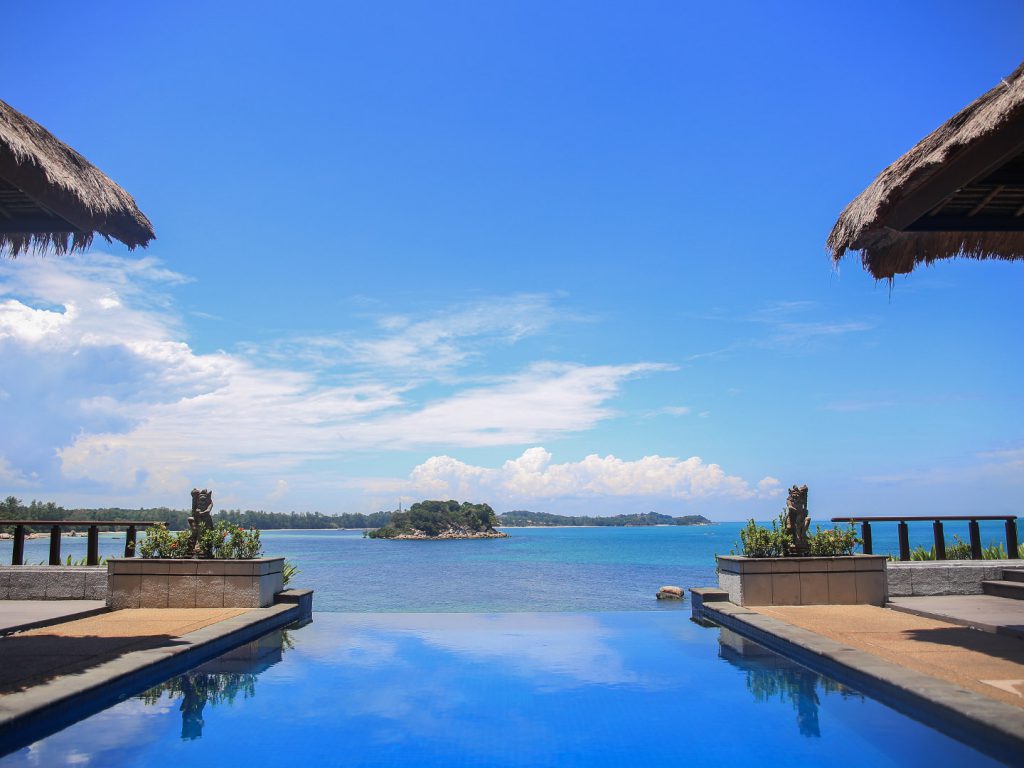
[[998, 552], [958, 550], [160, 542], [290, 571], [961, 550], [85, 561], [224, 541], [758, 541], [833, 542]]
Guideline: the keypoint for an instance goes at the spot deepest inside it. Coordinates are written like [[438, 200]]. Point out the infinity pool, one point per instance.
[[523, 689]]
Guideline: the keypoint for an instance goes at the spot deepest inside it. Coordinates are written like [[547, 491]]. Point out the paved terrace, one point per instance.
[[988, 664], [37, 656], [17, 615]]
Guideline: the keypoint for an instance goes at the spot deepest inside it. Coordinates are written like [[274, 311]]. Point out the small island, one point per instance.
[[441, 520]]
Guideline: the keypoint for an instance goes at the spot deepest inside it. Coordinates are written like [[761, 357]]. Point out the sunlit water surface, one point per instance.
[[534, 569]]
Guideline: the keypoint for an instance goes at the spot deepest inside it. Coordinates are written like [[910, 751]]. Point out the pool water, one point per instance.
[[498, 689]]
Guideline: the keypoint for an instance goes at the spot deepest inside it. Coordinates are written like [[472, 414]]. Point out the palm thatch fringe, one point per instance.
[[62, 199], [887, 251]]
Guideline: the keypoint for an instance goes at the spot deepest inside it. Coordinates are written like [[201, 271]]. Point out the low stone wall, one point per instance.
[[857, 579], [168, 583], [53, 582], [945, 577]]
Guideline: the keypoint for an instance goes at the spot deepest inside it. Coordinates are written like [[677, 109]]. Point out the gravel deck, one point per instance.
[[988, 664], [37, 655]]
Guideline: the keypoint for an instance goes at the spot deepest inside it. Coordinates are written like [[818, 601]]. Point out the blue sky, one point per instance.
[[562, 257]]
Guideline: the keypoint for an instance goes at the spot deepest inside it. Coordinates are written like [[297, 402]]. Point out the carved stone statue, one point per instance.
[[798, 521], [202, 517]]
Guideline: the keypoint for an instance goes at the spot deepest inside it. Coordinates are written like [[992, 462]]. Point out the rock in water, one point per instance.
[[670, 593]]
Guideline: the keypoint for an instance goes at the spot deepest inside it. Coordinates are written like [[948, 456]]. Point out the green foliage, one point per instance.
[[998, 551], [958, 550], [160, 542], [12, 508], [833, 542], [758, 541], [223, 542], [961, 550], [290, 571], [229, 542], [435, 517], [84, 561]]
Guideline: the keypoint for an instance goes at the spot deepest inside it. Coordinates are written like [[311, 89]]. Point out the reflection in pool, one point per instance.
[[550, 689], [772, 677], [218, 682]]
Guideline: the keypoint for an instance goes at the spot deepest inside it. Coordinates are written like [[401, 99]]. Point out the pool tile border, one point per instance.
[[988, 725]]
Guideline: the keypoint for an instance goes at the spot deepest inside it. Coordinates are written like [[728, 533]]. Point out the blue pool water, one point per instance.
[[481, 689], [535, 569]]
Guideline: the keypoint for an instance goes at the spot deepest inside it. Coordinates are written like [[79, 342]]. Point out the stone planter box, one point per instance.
[[53, 582], [168, 583], [945, 577], [857, 579]]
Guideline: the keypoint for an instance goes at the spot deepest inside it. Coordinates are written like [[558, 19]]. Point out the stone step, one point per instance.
[[1013, 574], [1012, 589]]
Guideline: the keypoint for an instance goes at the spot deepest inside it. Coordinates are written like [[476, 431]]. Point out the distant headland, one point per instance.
[[521, 519], [176, 519]]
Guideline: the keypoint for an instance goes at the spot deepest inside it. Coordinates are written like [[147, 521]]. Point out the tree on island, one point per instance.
[[437, 519]]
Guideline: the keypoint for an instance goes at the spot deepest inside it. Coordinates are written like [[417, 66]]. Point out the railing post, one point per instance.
[[92, 556], [904, 535], [18, 553], [975, 532], [129, 542], [865, 533], [55, 545], [1011, 540], [940, 540]]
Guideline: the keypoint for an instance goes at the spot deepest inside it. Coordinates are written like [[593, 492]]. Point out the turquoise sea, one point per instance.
[[534, 569]]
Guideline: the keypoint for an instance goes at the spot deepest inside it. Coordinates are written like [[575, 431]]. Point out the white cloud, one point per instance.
[[11, 476], [126, 405], [280, 490], [674, 410], [533, 476], [788, 333], [545, 400], [423, 347], [1004, 466]]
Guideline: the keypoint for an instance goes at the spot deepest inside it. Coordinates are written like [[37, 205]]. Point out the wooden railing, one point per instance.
[[937, 532], [92, 556]]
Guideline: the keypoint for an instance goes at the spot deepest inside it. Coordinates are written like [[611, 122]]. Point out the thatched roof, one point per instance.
[[52, 197], [959, 192]]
